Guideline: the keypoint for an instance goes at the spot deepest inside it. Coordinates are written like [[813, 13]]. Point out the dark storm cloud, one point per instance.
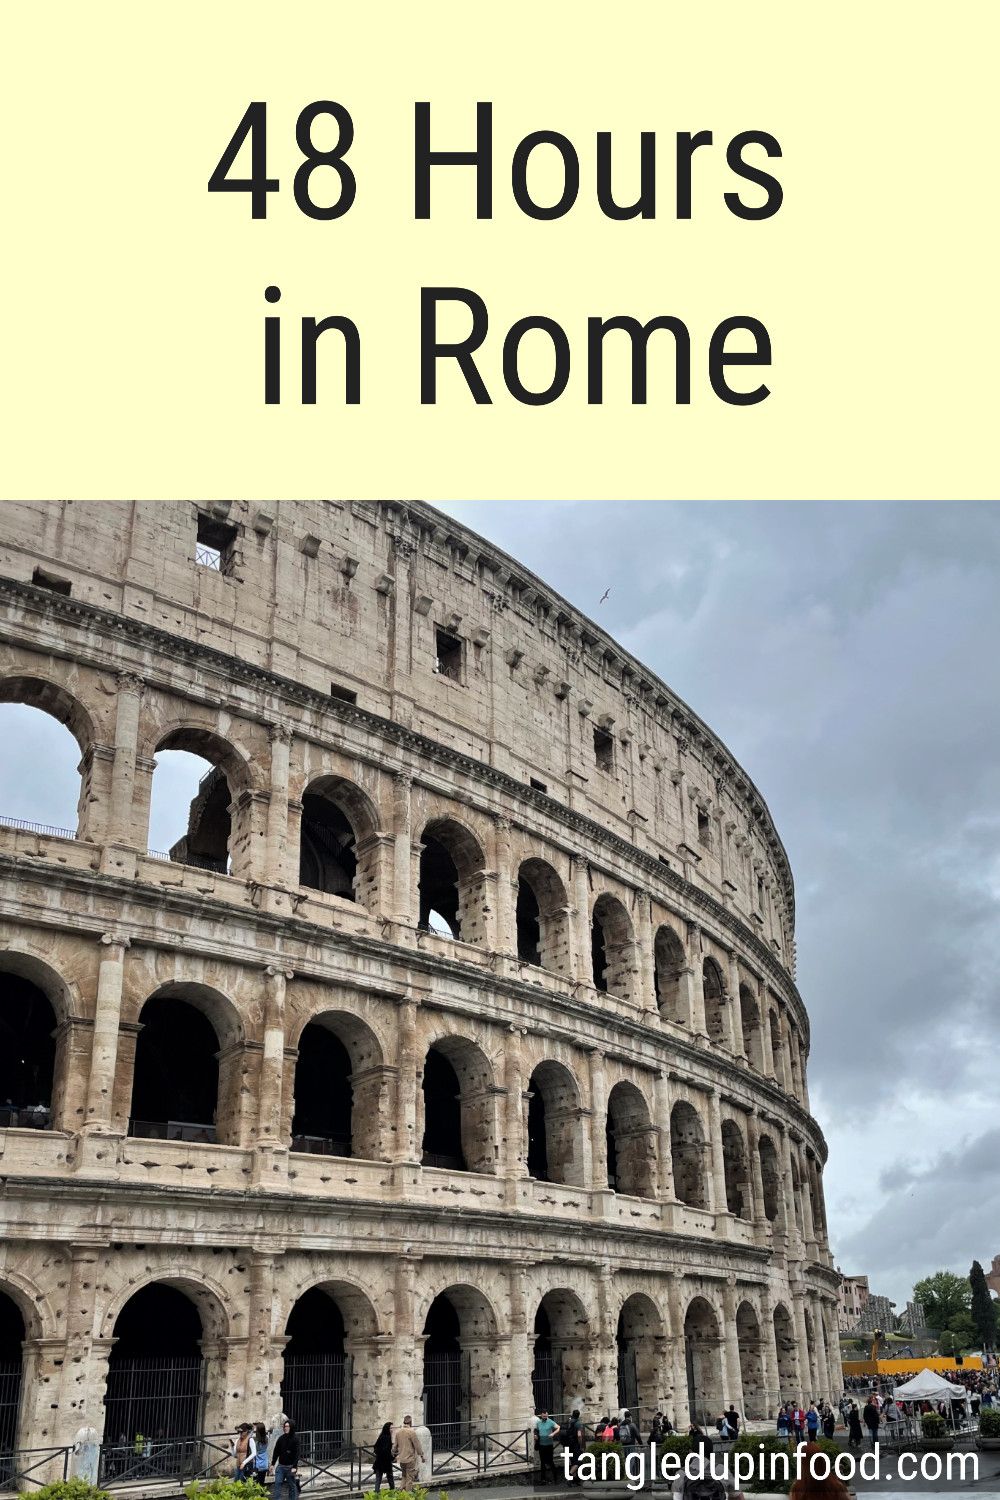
[[847, 655]]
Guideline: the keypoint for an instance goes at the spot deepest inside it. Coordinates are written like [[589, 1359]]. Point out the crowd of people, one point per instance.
[[254, 1455]]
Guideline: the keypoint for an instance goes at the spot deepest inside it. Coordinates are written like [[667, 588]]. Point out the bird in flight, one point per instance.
[[604, 596]]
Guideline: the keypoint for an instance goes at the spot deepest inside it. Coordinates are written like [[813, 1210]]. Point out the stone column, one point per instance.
[[766, 1052], [805, 1358], [521, 1398], [277, 855], [691, 1001], [756, 1176], [664, 1156], [402, 896], [734, 1010], [506, 933], [605, 1351], [769, 1356], [583, 953], [791, 1225], [834, 1360], [118, 824], [407, 1374], [104, 1046], [514, 1163], [808, 1223], [717, 1175], [598, 1125], [406, 1146], [822, 1360], [731, 1347], [699, 1026], [270, 1163], [644, 953], [261, 1389], [680, 1415], [80, 1401]]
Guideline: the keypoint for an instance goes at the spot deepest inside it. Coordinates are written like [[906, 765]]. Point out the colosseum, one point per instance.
[[451, 1061]]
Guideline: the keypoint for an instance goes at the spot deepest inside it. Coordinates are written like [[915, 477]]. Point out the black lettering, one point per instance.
[[560, 374], [771, 185], [311, 331], [687, 145], [424, 158], [639, 336], [431, 351], [645, 205], [272, 351], [718, 359], [571, 175]]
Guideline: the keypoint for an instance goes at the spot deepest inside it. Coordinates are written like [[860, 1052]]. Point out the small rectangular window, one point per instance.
[[342, 694], [43, 580], [664, 860], [704, 827], [215, 546], [449, 655], [538, 785], [604, 750]]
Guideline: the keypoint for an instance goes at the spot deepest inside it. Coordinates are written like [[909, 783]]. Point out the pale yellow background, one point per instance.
[[132, 298]]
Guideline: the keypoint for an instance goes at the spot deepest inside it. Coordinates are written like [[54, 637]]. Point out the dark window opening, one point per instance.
[[449, 655], [176, 1083], [664, 860], [604, 750], [539, 786], [12, 1334], [315, 1386], [438, 889], [704, 827], [447, 1383], [342, 694], [529, 935], [27, 1054], [546, 1374], [611, 1146], [598, 956], [442, 1143], [215, 546], [327, 861], [206, 842], [50, 581], [154, 1385], [538, 1156], [324, 1097]]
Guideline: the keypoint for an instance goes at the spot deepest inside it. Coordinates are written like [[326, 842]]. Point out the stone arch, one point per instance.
[[631, 1142], [220, 826], [27, 690], [340, 1105], [327, 1384], [338, 841], [639, 1348], [770, 1174], [189, 1060], [560, 1351], [736, 1169], [669, 964], [714, 991], [35, 1006], [703, 1353], [751, 1028], [459, 1129], [785, 1352], [555, 1126], [452, 875], [612, 947], [687, 1151], [542, 917], [460, 1365], [752, 1366]]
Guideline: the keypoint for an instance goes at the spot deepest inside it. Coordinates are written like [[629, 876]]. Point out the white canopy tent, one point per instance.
[[927, 1386]]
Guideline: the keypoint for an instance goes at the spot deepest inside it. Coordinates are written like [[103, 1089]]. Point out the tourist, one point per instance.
[[628, 1433], [784, 1422], [286, 1463], [604, 1431], [545, 1433], [733, 1418], [382, 1457], [871, 1419], [244, 1452], [798, 1417], [407, 1452], [808, 1488], [573, 1437], [812, 1422], [261, 1462], [829, 1422], [854, 1434]]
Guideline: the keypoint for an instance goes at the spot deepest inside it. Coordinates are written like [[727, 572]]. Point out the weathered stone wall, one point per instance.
[[152, 651]]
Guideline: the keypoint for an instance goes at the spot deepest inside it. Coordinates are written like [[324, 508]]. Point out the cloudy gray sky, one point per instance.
[[848, 657]]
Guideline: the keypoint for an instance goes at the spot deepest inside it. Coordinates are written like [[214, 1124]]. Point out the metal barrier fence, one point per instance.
[[29, 827], [177, 1459], [25, 1468]]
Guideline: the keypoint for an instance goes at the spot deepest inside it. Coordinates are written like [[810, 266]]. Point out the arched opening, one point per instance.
[[451, 868], [752, 1371], [12, 1335], [714, 992], [638, 1342], [611, 947], [687, 1152], [554, 1145], [631, 1143], [191, 801], [784, 1348], [669, 963], [316, 1384], [750, 1027], [43, 732], [460, 1366], [175, 1087], [736, 1170], [770, 1179], [559, 1353], [542, 917], [327, 858], [339, 1087], [155, 1392], [459, 1108], [27, 1053], [703, 1349]]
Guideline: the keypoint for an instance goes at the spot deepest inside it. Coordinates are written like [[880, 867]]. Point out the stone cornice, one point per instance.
[[233, 668]]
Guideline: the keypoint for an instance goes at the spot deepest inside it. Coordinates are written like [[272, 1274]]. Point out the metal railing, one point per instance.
[[176, 1459], [34, 1117], [29, 827], [172, 1130], [21, 1468]]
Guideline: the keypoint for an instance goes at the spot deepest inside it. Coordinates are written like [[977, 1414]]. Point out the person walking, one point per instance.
[[871, 1419], [829, 1422], [407, 1452], [573, 1438], [784, 1422], [261, 1461], [545, 1433], [286, 1463], [628, 1432], [382, 1457], [798, 1422], [855, 1437], [244, 1452], [812, 1422]]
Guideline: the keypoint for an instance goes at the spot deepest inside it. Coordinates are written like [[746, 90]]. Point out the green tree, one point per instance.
[[943, 1297], [982, 1307]]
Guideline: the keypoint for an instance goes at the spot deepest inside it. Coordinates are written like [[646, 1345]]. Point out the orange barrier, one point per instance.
[[936, 1362]]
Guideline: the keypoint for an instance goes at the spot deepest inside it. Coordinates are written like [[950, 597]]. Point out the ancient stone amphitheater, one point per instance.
[[451, 1061]]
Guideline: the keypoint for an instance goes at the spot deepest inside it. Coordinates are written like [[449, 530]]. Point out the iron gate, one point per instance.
[[317, 1393], [10, 1404], [628, 1380], [447, 1397], [547, 1381], [152, 1410]]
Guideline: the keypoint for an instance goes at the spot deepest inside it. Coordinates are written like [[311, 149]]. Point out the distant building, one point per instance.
[[993, 1275], [852, 1298], [878, 1312]]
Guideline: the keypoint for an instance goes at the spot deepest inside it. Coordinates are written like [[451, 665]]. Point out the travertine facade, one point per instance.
[[579, 1135]]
